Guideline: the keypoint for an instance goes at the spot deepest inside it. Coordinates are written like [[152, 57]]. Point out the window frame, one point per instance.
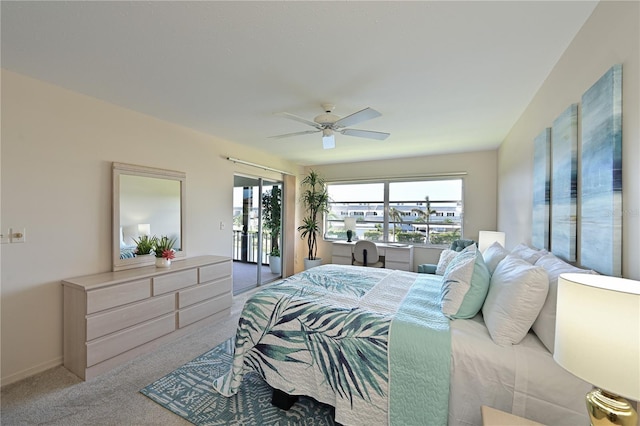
[[386, 220]]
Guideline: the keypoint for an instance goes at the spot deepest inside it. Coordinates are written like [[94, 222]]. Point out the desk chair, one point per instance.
[[365, 253]]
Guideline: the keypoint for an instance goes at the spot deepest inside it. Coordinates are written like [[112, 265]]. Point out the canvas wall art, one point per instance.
[[541, 189], [601, 181], [564, 180]]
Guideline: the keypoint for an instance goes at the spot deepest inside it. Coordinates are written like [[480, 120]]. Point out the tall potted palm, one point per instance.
[[315, 200], [271, 216]]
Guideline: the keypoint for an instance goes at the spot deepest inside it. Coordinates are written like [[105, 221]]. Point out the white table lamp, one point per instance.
[[350, 226], [486, 238], [144, 229], [598, 340]]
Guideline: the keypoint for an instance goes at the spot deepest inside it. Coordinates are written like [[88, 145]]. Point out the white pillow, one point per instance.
[[457, 280], [493, 255], [545, 324], [446, 256], [516, 294], [529, 254]]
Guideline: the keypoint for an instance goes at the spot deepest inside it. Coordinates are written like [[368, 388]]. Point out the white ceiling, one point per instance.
[[447, 76]]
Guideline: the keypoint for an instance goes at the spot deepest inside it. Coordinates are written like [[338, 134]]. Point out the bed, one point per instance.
[[375, 344]]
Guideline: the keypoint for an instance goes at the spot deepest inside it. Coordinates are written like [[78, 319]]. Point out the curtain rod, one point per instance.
[[247, 163], [399, 178]]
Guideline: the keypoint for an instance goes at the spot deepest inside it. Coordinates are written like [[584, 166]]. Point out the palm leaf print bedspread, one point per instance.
[[373, 343]]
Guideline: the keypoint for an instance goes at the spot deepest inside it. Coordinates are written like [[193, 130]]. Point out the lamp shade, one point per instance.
[[598, 331], [350, 223], [486, 238], [144, 229]]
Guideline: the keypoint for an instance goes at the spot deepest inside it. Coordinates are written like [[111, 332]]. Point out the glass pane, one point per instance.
[[362, 205], [425, 211], [271, 230]]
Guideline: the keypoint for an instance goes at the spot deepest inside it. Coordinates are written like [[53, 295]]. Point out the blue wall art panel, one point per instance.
[[541, 189], [601, 182], [564, 181]]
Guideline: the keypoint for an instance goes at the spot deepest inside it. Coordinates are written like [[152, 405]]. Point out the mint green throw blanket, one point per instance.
[[370, 342], [419, 357]]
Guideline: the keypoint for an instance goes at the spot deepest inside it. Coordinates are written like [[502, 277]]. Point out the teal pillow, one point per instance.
[[465, 284], [474, 299]]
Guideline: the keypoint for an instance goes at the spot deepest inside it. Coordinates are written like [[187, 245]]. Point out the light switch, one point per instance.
[[221, 225], [4, 237]]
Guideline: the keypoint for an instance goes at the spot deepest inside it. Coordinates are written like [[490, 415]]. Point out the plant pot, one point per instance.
[[308, 264], [275, 263], [161, 262]]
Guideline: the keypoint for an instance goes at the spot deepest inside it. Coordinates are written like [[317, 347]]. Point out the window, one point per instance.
[[425, 211]]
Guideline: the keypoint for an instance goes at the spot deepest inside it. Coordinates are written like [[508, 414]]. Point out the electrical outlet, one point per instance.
[[222, 225], [17, 235]]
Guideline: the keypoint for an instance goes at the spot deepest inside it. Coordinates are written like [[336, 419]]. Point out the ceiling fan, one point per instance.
[[329, 124]]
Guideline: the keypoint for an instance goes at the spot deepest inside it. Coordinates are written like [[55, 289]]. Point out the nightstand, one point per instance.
[[493, 417]]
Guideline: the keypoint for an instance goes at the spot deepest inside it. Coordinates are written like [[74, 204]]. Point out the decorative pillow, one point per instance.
[[446, 256], [463, 291], [529, 254], [477, 293], [516, 294], [545, 324], [493, 255]]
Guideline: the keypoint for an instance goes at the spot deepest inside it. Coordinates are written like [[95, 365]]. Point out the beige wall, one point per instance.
[[57, 149], [480, 189], [610, 36]]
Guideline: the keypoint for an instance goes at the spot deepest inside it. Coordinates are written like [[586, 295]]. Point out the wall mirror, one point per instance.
[[146, 201]]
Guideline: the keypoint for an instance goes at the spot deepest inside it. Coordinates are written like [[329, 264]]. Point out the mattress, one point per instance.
[[521, 379]]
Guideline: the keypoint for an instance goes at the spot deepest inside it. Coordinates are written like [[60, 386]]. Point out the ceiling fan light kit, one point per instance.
[[328, 139], [329, 123]]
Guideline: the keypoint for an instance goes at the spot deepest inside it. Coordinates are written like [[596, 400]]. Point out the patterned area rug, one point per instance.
[[188, 393]]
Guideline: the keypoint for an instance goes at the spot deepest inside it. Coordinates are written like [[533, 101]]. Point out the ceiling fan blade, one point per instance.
[[306, 132], [365, 134], [357, 117], [300, 119]]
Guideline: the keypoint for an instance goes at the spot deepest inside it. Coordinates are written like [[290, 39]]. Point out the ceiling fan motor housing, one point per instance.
[[326, 119]]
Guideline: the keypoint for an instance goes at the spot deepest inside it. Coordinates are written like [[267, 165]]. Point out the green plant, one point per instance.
[[315, 200], [164, 244], [410, 237], [425, 216], [271, 216], [144, 244]]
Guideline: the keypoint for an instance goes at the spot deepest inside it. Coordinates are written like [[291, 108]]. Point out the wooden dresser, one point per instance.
[[112, 317]]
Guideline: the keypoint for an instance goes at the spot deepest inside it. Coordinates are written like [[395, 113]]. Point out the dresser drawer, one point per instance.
[[101, 324], [115, 344], [397, 255], [342, 250], [197, 312], [174, 281], [214, 272], [116, 295], [202, 292]]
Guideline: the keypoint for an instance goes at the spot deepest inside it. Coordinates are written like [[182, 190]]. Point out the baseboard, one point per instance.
[[16, 377]]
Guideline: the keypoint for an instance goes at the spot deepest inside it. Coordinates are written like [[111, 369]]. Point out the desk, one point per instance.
[[394, 256]]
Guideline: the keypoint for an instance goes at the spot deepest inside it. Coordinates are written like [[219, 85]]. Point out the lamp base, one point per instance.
[[608, 409]]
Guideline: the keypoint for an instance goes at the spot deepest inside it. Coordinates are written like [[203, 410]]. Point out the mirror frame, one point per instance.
[[119, 169]]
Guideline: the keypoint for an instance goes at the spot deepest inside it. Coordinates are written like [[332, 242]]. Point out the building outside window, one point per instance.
[[419, 211]]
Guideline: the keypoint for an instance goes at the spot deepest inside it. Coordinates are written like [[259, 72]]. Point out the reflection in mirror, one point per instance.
[[146, 202]]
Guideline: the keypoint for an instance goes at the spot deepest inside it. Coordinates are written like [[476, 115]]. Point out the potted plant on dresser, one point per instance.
[[315, 200], [271, 215], [164, 251]]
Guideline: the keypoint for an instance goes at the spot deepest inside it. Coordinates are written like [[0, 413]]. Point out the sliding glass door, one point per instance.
[[257, 240]]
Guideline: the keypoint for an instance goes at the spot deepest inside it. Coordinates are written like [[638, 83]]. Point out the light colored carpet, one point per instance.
[[58, 397]]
